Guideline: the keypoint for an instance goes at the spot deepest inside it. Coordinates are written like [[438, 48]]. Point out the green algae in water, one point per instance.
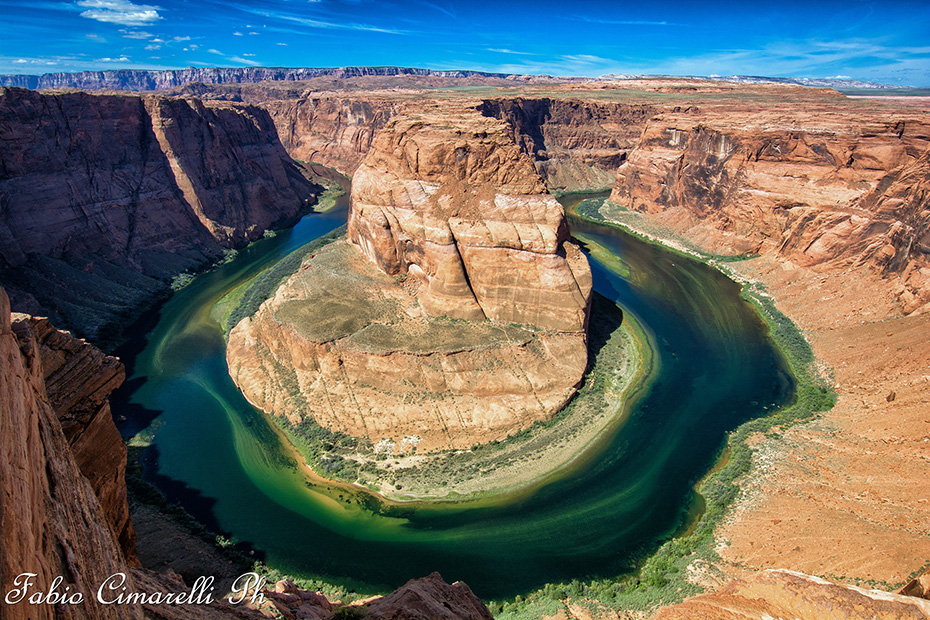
[[220, 457]]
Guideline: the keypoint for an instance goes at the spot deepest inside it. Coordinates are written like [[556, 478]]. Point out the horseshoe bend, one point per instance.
[[460, 338]]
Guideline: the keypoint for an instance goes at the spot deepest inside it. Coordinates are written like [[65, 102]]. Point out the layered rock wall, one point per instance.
[[576, 145], [332, 130], [823, 189], [457, 316], [51, 521], [454, 202], [78, 379], [104, 198]]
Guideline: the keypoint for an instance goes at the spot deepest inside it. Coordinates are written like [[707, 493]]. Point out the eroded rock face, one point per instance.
[[347, 345], [78, 379], [429, 598], [105, 198], [787, 594], [51, 522], [576, 145], [831, 189], [456, 316], [449, 198]]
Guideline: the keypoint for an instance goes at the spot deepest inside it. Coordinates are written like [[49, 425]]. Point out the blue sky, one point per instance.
[[879, 41]]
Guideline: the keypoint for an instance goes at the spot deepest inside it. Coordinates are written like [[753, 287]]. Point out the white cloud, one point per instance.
[[121, 12], [282, 44], [21, 61], [244, 61], [504, 50], [253, 32], [215, 51], [107, 59], [238, 34], [248, 55], [135, 34], [182, 38], [94, 36], [153, 46]]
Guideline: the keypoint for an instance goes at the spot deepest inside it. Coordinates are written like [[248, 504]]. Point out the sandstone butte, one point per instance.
[[460, 306], [830, 192]]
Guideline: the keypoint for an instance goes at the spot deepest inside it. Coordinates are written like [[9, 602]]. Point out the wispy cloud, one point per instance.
[[238, 34], [441, 9], [121, 12], [319, 23], [135, 34], [244, 61], [504, 50], [108, 59]]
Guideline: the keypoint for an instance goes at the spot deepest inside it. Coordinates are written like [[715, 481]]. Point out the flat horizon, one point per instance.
[[858, 40]]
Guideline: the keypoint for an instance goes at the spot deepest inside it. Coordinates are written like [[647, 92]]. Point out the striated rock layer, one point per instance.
[[828, 188], [105, 198], [78, 379], [51, 522], [448, 197], [456, 316]]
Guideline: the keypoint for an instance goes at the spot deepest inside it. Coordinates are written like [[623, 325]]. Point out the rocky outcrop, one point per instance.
[[51, 522], [105, 198], [787, 594], [576, 145], [350, 347], [78, 379], [449, 198], [458, 314], [829, 189], [429, 598]]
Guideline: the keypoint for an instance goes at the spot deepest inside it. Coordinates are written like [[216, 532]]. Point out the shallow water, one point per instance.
[[220, 458]]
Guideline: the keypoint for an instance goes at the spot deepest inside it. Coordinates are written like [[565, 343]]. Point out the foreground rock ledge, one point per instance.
[[456, 316]]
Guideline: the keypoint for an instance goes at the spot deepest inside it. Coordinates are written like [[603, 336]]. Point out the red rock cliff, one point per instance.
[[104, 198], [828, 188], [51, 521]]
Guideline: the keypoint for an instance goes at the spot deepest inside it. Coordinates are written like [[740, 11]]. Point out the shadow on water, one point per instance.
[[223, 462]]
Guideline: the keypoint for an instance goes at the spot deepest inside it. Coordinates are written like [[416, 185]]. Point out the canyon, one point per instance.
[[828, 194], [106, 198]]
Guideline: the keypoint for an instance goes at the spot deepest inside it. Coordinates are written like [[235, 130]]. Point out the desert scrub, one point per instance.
[[261, 287]]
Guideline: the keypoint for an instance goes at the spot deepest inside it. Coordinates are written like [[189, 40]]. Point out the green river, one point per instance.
[[221, 459]]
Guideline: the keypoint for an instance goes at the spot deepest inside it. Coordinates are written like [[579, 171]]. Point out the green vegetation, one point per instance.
[[245, 299]]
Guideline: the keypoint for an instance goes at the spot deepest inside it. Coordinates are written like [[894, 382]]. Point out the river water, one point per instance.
[[219, 457]]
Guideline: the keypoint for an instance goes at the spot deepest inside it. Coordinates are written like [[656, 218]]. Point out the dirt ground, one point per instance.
[[846, 496]]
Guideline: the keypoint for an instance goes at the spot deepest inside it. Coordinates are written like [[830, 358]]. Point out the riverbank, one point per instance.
[[621, 364], [824, 492]]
